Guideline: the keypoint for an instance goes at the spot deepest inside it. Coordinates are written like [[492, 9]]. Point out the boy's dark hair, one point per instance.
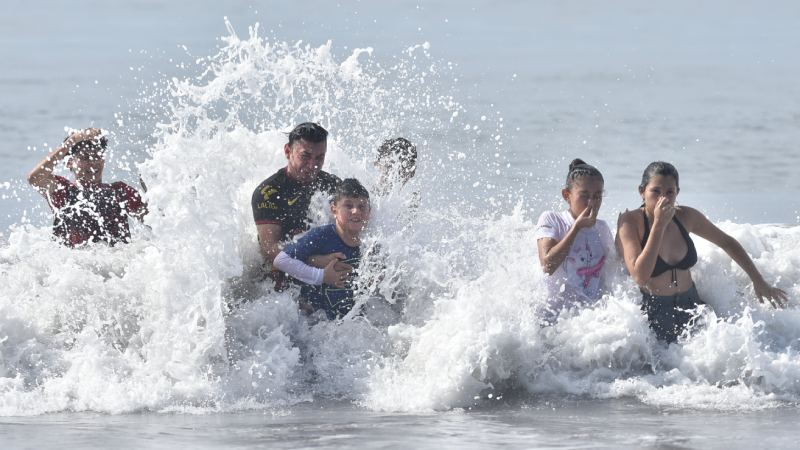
[[662, 168], [89, 148], [349, 187], [308, 131], [579, 169]]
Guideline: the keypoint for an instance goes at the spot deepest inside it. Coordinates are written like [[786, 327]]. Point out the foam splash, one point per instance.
[[179, 321]]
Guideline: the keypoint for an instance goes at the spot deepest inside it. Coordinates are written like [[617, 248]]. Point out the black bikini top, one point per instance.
[[689, 260]]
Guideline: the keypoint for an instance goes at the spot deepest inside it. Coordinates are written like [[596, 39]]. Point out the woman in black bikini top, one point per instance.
[[688, 261], [646, 246]]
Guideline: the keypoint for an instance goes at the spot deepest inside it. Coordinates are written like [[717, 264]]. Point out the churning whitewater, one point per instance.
[[179, 320]]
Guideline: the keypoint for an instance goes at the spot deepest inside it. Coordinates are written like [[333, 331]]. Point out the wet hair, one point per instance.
[[89, 148], [309, 132], [662, 168], [579, 169], [349, 187], [403, 150]]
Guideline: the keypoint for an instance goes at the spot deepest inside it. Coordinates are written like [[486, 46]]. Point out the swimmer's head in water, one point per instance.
[[350, 206], [308, 131], [661, 168], [579, 169], [305, 152], [659, 180], [349, 187], [89, 149], [87, 159], [584, 188], [398, 156]]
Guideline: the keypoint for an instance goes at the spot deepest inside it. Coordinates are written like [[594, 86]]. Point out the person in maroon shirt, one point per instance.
[[86, 210]]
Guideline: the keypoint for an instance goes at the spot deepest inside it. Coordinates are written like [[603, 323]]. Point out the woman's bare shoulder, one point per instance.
[[689, 216], [633, 216]]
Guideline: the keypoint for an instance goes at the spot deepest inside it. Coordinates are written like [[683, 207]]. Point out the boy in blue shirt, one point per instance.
[[326, 289]]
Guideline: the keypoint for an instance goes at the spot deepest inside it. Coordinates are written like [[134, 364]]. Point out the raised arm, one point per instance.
[[701, 226], [42, 177], [552, 252], [640, 261]]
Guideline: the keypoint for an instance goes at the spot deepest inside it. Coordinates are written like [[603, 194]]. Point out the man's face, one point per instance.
[[86, 166], [305, 159]]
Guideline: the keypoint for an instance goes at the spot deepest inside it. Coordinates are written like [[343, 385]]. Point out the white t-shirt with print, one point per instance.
[[579, 277]]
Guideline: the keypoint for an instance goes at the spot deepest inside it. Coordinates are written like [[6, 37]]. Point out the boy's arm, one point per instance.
[[307, 274], [298, 269]]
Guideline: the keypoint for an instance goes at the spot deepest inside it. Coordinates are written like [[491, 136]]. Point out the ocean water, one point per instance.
[[172, 340]]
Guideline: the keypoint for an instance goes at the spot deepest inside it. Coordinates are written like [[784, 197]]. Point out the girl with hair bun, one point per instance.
[[574, 244], [656, 245]]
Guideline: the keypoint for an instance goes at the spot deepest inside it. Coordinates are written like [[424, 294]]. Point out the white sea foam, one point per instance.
[[179, 320]]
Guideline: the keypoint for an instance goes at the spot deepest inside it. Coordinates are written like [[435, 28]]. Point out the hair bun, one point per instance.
[[575, 163]]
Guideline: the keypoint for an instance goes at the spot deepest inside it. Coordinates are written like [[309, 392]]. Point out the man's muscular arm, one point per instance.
[[269, 240], [42, 176]]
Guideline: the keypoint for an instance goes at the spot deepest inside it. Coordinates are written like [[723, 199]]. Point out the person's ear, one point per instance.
[[287, 150], [565, 193]]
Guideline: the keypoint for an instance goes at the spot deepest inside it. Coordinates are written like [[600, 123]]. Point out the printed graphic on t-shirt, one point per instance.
[[585, 262]]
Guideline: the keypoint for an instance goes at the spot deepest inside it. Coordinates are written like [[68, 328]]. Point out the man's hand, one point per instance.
[[333, 277], [83, 135], [320, 261]]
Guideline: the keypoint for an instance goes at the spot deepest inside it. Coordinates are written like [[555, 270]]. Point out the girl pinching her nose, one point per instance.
[[658, 251], [574, 245]]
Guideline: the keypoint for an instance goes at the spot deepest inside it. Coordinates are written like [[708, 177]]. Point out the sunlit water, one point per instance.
[[172, 341]]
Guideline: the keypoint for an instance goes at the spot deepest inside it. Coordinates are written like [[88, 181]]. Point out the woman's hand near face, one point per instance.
[[663, 212]]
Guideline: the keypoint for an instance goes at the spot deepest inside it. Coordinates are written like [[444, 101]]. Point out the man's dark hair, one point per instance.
[[349, 187], [309, 132], [89, 148]]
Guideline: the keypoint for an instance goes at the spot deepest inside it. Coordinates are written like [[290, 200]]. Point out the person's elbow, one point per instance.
[[548, 266], [269, 250], [277, 260], [729, 244], [641, 280], [35, 178]]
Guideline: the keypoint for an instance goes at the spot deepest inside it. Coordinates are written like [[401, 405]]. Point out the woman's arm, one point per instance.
[[701, 226], [639, 261]]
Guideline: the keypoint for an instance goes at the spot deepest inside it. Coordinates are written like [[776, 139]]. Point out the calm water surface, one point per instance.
[[557, 423]]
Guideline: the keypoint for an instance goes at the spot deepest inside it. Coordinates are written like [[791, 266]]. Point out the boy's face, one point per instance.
[[351, 213]]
